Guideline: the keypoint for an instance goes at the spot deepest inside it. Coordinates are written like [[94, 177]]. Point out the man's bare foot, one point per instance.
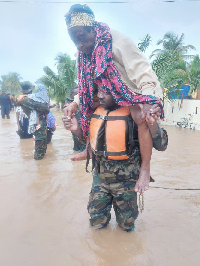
[[143, 182], [81, 155]]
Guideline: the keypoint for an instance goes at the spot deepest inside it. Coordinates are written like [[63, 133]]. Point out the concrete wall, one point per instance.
[[186, 113]]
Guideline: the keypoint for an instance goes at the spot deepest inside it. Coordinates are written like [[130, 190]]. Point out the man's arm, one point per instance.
[[41, 108], [135, 69]]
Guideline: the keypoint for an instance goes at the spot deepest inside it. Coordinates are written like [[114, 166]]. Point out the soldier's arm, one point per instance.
[[41, 108]]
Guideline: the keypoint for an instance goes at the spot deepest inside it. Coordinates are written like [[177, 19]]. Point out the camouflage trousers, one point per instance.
[[119, 194], [41, 139]]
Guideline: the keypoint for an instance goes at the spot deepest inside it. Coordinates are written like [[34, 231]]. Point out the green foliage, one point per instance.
[[195, 73], [59, 85], [11, 83], [171, 64]]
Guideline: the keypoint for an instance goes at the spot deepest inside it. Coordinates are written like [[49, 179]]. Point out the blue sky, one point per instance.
[[33, 32]]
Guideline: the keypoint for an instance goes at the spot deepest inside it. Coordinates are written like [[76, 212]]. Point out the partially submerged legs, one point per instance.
[[121, 195]]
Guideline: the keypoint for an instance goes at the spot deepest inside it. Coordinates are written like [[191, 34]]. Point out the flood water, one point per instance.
[[44, 219]]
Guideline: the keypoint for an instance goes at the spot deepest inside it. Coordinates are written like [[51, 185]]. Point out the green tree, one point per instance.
[[171, 62], [195, 73], [59, 84], [11, 83], [185, 74]]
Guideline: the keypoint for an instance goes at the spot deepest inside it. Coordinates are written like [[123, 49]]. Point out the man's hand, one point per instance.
[[70, 110], [150, 112], [70, 124]]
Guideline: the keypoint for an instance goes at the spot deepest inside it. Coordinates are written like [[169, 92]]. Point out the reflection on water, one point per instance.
[[44, 220]]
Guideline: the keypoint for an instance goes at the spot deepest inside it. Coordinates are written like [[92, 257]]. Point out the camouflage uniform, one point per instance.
[[41, 130], [113, 184], [40, 139]]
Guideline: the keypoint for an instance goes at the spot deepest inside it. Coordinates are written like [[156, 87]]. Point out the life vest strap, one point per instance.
[[106, 153], [110, 118]]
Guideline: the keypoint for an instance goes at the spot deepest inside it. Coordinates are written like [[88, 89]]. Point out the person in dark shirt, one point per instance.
[[5, 105]]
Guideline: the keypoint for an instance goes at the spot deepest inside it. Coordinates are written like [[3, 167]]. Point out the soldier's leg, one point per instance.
[[100, 203], [125, 204], [40, 139]]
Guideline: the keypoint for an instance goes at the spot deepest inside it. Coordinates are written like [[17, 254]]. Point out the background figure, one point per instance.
[[22, 118], [5, 105], [39, 119], [36, 107], [51, 126], [78, 145]]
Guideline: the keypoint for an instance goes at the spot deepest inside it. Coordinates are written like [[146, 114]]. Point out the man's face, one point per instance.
[[106, 100], [83, 39], [73, 93], [3, 92]]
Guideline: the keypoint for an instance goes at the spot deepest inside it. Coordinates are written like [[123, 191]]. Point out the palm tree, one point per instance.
[[58, 85], [170, 62], [173, 43], [11, 83]]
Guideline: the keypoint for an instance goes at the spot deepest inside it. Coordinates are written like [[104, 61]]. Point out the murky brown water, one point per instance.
[[43, 215]]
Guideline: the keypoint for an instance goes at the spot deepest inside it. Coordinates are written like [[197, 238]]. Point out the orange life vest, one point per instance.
[[111, 133]]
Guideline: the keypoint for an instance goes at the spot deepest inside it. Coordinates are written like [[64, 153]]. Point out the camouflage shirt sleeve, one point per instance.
[[160, 141], [30, 104]]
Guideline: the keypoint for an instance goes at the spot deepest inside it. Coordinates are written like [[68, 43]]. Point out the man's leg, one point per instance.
[[41, 139], [100, 203], [8, 112], [146, 144], [125, 204], [3, 111]]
